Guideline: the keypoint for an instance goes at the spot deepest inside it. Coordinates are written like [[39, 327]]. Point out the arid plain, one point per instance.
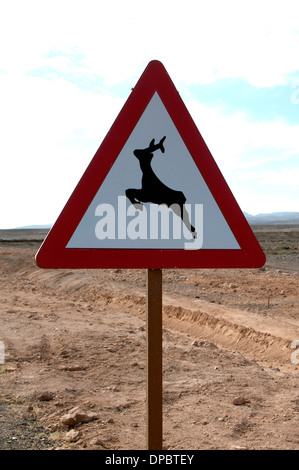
[[75, 348]]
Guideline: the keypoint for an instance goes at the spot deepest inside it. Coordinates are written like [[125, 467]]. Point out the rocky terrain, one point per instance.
[[73, 373]]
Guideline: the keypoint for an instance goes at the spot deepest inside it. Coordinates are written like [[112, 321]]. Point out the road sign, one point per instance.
[[152, 196]]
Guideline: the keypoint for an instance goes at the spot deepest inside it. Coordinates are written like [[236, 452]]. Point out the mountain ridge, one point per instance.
[[273, 218]]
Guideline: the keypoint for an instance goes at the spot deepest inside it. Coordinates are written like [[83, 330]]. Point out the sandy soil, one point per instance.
[[77, 339]]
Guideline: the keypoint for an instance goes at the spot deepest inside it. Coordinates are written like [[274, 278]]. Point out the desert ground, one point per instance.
[[73, 374]]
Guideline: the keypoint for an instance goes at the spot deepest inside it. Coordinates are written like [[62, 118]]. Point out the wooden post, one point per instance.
[[154, 393]]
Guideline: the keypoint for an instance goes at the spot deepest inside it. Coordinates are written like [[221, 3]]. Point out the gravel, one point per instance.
[[21, 432]]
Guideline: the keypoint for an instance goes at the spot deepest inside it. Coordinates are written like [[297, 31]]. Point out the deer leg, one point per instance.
[[134, 197], [185, 218], [181, 211]]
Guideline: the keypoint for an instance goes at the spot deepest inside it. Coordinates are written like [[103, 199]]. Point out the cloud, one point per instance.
[[68, 67], [198, 41], [258, 159], [234, 136], [49, 133]]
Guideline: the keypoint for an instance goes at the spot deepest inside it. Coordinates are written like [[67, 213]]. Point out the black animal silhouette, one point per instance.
[[153, 190]]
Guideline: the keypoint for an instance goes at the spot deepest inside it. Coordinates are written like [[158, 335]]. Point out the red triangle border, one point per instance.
[[53, 252]]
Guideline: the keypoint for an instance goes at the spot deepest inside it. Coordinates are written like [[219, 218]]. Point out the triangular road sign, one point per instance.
[[152, 196]]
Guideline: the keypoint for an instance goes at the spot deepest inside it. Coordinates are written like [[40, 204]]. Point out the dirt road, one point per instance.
[[75, 345]]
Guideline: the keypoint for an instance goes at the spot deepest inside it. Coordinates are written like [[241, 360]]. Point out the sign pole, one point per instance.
[[154, 394]]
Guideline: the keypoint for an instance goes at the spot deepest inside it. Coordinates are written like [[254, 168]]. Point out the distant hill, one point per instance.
[[275, 218], [33, 227]]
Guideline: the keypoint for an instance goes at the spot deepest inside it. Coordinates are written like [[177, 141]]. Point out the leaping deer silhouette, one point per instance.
[[153, 190]]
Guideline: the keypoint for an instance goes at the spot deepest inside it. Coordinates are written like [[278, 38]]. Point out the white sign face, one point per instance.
[[155, 198]]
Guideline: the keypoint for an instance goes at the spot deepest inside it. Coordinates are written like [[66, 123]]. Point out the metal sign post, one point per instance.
[[154, 393]]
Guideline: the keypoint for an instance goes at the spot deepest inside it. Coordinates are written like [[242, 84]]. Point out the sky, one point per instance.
[[67, 68]]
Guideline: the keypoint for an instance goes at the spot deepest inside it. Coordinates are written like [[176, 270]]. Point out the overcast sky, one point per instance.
[[67, 68]]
